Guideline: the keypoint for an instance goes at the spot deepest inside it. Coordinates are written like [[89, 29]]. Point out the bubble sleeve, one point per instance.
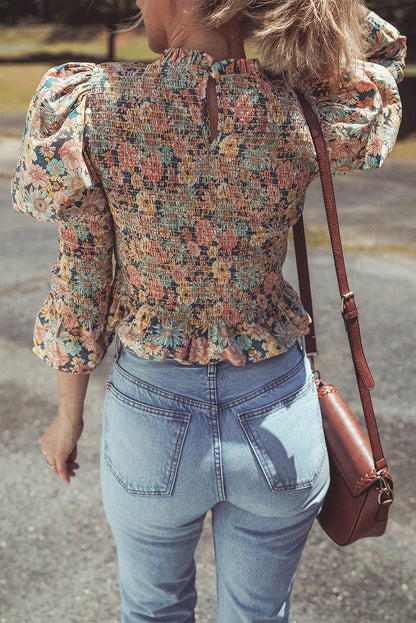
[[360, 119], [54, 182]]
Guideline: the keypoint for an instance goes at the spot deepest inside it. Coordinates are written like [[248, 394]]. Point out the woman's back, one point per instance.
[[202, 226]]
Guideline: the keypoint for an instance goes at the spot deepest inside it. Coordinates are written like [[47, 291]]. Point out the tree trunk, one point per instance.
[[41, 11], [111, 43]]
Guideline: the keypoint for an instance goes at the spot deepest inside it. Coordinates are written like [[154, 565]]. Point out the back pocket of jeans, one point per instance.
[[287, 439], [142, 444]]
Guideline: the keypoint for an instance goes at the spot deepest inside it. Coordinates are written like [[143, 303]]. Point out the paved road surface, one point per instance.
[[57, 554]]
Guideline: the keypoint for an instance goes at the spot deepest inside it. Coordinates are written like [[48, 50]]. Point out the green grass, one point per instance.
[[17, 85], [318, 236], [133, 45], [53, 40], [405, 149], [410, 71], [51, 45], [22, 41]]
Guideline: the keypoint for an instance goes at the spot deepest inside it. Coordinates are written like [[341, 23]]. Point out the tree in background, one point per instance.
[[109, 13], [12, 11]]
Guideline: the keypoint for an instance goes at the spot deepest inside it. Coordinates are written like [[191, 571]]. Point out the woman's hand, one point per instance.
[[59, 443]]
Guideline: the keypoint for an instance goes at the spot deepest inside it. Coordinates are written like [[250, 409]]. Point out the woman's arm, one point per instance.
[[55, 181], [59, 443]]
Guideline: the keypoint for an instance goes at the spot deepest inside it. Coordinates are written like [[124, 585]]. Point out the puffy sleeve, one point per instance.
[[360, 120], [54, 181]]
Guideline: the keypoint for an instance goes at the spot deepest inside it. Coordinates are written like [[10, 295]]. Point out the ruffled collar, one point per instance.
[[197, 58]]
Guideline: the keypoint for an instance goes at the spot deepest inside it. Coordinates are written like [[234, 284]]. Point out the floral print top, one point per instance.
[[175, 242]]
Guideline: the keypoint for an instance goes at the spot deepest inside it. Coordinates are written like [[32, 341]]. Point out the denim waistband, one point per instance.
[[197, 382]]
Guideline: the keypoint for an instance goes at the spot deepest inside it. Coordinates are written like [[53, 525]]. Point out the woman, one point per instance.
[[189, 173]]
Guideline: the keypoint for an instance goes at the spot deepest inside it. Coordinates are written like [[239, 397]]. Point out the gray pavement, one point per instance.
[[57, 556]]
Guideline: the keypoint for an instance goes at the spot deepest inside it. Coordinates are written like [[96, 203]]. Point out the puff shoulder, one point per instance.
[[52, 171]]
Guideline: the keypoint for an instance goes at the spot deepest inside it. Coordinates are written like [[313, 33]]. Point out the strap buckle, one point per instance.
[[312, 356], [345, 298]]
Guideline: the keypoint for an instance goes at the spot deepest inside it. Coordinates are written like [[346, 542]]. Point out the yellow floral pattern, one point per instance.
[[175, 242]]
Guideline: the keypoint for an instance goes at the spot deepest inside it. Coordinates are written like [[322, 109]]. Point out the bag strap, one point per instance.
[[348, 307]]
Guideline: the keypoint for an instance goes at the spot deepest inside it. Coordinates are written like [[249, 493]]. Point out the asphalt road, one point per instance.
[[58, 560]]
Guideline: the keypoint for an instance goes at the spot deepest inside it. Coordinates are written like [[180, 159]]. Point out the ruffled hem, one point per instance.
[[248, 344], [189, 343]]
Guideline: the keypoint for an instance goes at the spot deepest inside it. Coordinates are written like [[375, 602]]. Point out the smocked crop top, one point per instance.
[[172, 241]]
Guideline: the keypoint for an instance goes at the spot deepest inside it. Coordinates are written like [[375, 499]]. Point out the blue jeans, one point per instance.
[[244, 442]]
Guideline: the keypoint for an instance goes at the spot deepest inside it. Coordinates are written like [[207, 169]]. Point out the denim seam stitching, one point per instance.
[[175, 415], [274, 486], [203, 405], [215, 427], [159, 391], [172, 472], [282, 401], [266, 388], [165, 492]]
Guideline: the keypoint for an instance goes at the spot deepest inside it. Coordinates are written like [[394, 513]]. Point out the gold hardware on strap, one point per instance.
[[312, 357], [386, 492], [345, 298]]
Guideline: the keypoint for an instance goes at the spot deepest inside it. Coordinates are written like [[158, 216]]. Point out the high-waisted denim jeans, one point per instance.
[[245, 442]]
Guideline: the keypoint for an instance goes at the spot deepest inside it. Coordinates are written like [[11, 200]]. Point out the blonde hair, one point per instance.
[[317, 39]]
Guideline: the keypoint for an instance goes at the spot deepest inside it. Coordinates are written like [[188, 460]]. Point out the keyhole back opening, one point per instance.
[[212, 110]]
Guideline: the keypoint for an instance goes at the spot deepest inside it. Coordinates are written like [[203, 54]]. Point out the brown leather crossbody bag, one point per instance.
[[360, 492]]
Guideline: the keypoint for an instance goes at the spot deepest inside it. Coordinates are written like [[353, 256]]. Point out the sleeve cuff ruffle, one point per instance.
[[384, 45], [77, 350]]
